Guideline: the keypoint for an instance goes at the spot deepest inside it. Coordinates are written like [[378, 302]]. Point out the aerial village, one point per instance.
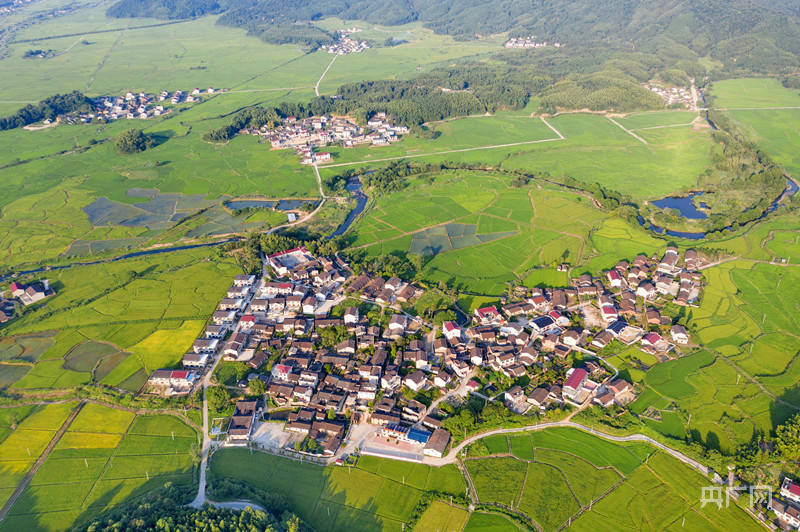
[[529, 42], [307, 134], [344, 45], [136, 105], [673, 96], [337, 380], [26, 294]]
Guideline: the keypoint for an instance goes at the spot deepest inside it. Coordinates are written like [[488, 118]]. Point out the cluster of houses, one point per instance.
[[27, 294], [306, 135], [365, 369], [344, 44], [529, 42], [787, 506], [137, 105], [673, 95], [634, 292]]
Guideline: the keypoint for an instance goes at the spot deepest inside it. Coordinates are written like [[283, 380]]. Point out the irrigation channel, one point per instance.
[[353, 185]]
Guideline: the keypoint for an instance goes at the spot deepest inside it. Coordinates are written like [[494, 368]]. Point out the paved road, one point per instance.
[[200, 499], [316, 87], [29, 476]]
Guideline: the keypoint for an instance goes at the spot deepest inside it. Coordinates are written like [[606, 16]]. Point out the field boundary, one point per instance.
[[40, 461]]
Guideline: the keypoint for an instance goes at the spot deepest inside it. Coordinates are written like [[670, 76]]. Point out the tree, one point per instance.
[[133, 141], [218, 397], [257, 387], [787, 441]]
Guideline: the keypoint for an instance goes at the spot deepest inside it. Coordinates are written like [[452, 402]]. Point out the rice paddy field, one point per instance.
[[561, 476], [114, 323], [105, 456], [481, 232]]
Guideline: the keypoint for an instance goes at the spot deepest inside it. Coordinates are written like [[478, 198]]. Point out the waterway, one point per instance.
[[354, 186], [114, 259]]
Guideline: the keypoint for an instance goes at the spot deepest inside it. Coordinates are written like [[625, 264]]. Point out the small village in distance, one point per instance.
[[342, 364]]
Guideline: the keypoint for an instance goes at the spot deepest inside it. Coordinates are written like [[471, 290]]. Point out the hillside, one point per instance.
[[746, 37]]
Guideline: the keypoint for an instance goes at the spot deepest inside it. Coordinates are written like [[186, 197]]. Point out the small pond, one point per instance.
[[685, 205]]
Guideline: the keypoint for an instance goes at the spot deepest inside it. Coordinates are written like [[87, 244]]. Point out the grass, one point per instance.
[[596, 150], [547, 498], [746, 325], [87, 473], [753, 92], [497, 480], [483, 522], [659, 495]]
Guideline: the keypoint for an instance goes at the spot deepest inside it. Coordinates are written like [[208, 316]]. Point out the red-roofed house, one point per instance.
[[280, 372], [488, 315], [451, 330], [790, 490], [651, 339], [574, 382]]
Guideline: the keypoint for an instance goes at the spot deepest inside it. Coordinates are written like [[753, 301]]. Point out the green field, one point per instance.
[[482, 232], [99, 462], [121, 320]]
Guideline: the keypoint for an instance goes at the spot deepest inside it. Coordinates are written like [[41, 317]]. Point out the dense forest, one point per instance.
[[747, 37], [47, 109]]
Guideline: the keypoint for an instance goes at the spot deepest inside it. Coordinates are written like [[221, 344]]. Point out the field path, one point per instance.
[[35, 468], [557, 132], [626, 130], [316, 87], [445, 152]]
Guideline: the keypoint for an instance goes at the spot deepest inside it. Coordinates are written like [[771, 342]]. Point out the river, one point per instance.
[[354, 186]]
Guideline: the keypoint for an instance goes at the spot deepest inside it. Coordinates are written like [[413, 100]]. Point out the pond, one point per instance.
[[685, 205]]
